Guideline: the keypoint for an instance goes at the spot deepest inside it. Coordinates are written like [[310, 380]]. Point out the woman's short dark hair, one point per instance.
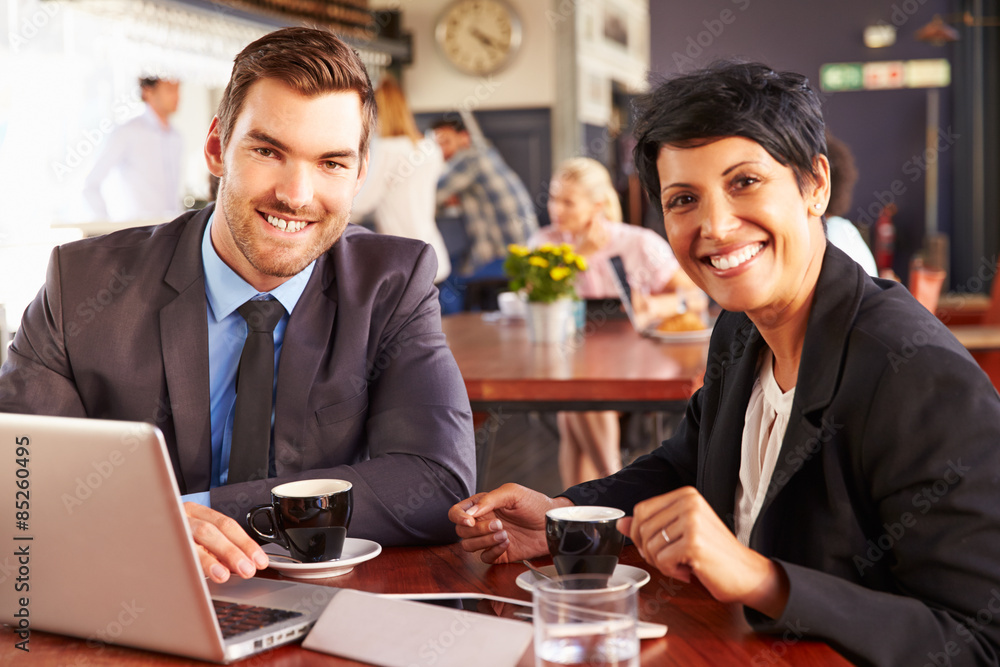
[[729, 98]]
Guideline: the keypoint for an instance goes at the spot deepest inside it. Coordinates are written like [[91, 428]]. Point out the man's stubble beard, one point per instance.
[[267, 256]]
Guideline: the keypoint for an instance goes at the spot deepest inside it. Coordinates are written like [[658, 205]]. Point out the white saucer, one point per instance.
[[526, 579], [355, 551]]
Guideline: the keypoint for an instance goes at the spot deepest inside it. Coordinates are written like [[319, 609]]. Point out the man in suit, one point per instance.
[[147, 324]]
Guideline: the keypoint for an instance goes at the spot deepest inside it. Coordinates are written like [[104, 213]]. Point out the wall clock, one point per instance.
[[478, 37]]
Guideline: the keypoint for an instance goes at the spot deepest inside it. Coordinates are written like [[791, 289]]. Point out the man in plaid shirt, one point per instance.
[[494, 202]]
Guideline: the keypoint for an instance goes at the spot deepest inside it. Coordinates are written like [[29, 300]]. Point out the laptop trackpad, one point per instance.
[[270, 593]]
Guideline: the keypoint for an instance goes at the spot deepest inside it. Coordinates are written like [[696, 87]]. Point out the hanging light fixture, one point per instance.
[[937, 32]]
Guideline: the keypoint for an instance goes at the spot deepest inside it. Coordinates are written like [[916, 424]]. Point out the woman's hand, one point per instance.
[[506, 524], [680, 534], [650, 308]]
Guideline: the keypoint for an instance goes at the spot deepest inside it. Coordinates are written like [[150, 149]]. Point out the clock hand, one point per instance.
[[484, 38]]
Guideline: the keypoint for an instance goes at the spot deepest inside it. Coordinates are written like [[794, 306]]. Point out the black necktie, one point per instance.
[[251, 443]]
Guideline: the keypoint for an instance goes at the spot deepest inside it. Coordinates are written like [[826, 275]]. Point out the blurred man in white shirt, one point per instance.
[[138, 175]]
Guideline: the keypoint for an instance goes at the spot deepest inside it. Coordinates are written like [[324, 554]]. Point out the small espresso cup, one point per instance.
[[309, 518], [584, 539]]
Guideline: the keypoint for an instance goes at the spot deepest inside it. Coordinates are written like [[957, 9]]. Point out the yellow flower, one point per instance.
[[570, 258], [548, 247], [580, 262], [566, 248], [560, 272], [539, 262], [518, 250]]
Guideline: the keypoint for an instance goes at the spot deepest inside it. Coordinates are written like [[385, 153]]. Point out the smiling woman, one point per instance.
[[809, 441]]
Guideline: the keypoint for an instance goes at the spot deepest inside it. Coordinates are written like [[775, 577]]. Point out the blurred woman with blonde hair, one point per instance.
[[586, 214], [402, 176]]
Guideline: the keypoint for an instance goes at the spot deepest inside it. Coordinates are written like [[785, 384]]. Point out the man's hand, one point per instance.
[[680, 534], [506, 524], [223, 546]]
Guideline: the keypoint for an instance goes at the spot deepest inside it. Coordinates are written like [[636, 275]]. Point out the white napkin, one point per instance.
[[401, 633]]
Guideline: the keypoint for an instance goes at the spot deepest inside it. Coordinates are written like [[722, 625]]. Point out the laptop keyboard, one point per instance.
[[236, 618]]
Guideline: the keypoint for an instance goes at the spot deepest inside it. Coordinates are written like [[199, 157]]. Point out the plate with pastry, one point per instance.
[[686, 327]]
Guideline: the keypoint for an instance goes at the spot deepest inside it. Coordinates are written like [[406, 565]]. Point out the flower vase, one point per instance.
[[549, 322]]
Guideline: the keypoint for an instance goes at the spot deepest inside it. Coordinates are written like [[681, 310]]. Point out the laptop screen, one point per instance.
[[624, 290]]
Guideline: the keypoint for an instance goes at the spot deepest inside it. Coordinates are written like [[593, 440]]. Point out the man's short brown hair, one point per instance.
[[308, 60]]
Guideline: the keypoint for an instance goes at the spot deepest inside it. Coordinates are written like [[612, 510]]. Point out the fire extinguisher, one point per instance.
[[885, 238]]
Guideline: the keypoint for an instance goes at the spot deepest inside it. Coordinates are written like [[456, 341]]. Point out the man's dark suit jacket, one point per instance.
[[367, 389], [884, 506]]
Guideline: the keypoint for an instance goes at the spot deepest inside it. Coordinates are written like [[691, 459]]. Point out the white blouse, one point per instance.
[[763, 430]]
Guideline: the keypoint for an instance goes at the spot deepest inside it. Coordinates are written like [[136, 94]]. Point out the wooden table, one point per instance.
[[978, 337], [961, 309], [607, 366], [701, 630]]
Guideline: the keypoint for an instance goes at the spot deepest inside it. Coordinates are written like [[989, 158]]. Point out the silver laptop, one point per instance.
[[96, 546]]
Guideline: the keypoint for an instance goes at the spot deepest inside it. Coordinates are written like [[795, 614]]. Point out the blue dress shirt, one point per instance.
[[227, 331]]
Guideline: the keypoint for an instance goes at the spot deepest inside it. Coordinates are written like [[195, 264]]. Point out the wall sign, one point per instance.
[[883, 75]]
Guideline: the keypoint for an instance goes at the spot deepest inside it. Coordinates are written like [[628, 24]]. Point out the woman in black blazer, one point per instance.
[[839, 471]]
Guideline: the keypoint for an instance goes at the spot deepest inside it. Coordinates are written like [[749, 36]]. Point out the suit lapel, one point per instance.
[[839, 292], [308, 337], [184, 340], [719, 464]]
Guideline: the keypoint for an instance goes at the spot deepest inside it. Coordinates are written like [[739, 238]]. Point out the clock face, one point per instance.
[[478, 36]]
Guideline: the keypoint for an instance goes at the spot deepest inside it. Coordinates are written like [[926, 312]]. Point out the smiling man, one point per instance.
[[149, 324]]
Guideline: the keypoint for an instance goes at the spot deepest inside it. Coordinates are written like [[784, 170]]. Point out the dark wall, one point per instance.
[[523, 137], [885, 129]]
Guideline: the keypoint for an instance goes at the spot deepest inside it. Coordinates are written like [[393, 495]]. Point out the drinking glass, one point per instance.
[[585, 619]]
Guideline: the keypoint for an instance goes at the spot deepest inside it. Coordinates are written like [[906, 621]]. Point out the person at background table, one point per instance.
[[586, 214], [495, 205], [840, 231], [831, 475], [146, 324], [140, 166], [400, 190]]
